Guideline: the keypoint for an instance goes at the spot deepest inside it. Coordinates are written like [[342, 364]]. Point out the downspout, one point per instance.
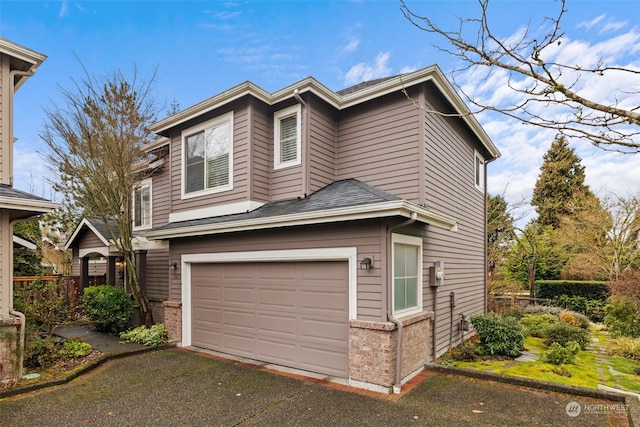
[[398, 380]]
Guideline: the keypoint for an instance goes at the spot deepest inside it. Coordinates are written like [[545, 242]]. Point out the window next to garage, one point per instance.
[[142, 205], [286, 138], [208, 153], [407, 275]]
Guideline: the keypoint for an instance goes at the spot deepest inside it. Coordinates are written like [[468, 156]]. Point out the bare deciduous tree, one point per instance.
[[94, 143], [546, 92]]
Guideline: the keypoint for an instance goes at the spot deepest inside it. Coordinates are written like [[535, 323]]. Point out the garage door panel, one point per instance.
[[325, 331], [244, 296], [274, 324], [323, 359], [332, 303], [274, 349], [239, 319], [281, 299], [290, 313]]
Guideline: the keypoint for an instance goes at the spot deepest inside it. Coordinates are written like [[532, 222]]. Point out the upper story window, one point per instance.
[[478, 170], [142, 205], [208, 155], [286, 138], [407, 274]]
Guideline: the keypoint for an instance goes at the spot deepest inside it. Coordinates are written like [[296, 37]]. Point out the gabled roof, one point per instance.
[[98, 227], [22, 59], [24, 243], [340, 201], [340, 100], [22, 204]]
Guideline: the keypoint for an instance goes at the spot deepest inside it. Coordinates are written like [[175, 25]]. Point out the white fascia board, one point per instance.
[[361, 212], [91, 227], [39, 206], [24, 243], [22, 53]]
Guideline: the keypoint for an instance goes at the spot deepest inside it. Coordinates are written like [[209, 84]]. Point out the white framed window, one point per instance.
[[142, 204], [478, 170], [407, 274], [207, 151], [286, 137]]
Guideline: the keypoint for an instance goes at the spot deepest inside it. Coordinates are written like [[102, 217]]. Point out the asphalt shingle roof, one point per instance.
[[10, 192], [340, 194]]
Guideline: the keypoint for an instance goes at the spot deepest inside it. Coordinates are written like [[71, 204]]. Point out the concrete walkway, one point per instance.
[[106, 343]]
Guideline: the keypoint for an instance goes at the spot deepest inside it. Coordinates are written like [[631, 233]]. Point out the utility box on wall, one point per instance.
[[436, 274]]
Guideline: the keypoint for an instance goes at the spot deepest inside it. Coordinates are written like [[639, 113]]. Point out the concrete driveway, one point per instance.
[[177, 387]]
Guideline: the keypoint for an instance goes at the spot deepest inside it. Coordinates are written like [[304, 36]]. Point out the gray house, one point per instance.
[[340, 233]]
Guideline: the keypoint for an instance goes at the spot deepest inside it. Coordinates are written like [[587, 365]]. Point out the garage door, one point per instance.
[[289, 313]]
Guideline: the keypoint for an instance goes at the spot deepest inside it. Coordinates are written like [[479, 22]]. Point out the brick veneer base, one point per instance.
[[9, 359], [373, 349], [172, 312]]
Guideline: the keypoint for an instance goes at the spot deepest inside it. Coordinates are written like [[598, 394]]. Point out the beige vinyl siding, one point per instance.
[[261, 145], [322, 147], [240, 161], [158, 274], [378, 143], [5, 144], [287, 183], [161, 197], [449, 187], [365, 236], [89, 240]]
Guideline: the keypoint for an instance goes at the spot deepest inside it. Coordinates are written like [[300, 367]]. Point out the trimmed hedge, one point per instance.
[[591, 290]]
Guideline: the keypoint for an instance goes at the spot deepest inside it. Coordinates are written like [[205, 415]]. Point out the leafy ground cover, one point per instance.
[[592, 366]]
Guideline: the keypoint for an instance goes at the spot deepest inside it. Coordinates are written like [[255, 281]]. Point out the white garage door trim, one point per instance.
[[319, 254]]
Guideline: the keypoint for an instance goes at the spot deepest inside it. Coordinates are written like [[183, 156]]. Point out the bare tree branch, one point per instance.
[[538, 83]]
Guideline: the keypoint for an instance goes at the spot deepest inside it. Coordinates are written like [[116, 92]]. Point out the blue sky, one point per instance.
[[204, 47]]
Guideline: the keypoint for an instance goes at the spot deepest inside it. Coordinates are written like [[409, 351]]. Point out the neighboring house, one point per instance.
[[341, 233], [17, 64]]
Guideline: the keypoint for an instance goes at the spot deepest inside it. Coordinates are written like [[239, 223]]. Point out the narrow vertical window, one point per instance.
[[478, 171], [142, 205], [287, 139]]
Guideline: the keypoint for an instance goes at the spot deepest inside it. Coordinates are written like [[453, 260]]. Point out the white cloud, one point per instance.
[[64, 9], [367, 71], [523, 147], [352, 43]]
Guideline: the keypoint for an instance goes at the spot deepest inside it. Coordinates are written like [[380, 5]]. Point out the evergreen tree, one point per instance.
[[560, 188]]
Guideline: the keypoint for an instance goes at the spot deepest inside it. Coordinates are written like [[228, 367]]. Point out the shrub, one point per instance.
[[40, 352], [596, 310], [535, 323], [465, 352], [625, 347], [499, 336], [540, 309], [551, 289], [569, 317], [558, 354], [622, 318], [75, 348], [109, 306], [562, 333], [44, 304], [152, 337]]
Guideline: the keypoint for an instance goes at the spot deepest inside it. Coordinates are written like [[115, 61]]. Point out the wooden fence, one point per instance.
[[43, 287]]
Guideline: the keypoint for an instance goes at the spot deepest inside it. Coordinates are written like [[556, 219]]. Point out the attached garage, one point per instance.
[[293, 313]]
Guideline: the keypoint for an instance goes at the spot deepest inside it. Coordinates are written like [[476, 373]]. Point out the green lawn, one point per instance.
[[589, 370]]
